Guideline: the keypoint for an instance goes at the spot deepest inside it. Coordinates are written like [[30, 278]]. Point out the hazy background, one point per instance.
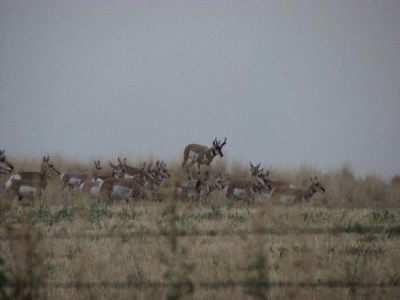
[[287, 82]]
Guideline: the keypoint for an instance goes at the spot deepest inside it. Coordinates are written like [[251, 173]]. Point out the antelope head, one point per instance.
[[217, 147], [118, 171], [5, 166], [48, 167], [161, 169], [255, 170], [316, 186], [260, 176]]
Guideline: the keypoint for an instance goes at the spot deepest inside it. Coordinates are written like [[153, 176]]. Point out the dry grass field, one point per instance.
[[343, 244]]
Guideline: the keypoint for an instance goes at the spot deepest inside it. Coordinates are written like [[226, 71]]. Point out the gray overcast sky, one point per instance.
[[287, 82]]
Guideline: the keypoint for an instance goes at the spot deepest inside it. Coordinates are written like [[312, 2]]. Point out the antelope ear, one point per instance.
[[267, 173]]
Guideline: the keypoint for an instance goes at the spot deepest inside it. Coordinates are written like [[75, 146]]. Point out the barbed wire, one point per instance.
[[355, 229], [205, 284]]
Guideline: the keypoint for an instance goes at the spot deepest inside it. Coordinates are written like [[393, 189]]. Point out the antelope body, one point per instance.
[[30, 184], [289, 196], [73, 179], [202, 155], [91, 188], [46, 169], [189, 193], [24, 188], [243, 188], [208, 185], [116, 188]]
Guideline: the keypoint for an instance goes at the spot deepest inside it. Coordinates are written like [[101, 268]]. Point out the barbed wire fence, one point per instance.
[[177, 283]]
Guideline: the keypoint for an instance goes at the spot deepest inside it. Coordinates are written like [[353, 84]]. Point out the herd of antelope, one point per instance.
[[123, 181]]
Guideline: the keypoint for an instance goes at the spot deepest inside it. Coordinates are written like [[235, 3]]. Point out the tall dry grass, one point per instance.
[[72, 247]]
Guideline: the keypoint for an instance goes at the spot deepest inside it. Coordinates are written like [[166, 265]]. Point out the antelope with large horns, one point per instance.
[[5, 166], [202, 155]]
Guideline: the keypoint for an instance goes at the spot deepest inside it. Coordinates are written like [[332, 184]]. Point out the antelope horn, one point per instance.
[[224, 142]]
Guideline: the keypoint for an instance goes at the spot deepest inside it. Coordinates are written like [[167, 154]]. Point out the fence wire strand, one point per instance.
[[390, 231]]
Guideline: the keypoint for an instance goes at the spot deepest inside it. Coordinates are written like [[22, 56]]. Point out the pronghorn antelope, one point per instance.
[[47, 170], [24, 189], [147, 181], [30, 184], [73, 179], [208, 185], [131, 172], [242, 188], [116, 188], [202, 155], [145, 177], [289, 196], [5, 166], [100, 174], [274, 184], [189, 193], [161, 170], [91, 187]]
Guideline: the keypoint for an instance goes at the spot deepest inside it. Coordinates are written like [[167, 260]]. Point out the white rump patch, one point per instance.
[[74, 182], [119, 191], [193, 156], [192, 196], [286, 200], [95, 191], [26, 191], [239, 193]]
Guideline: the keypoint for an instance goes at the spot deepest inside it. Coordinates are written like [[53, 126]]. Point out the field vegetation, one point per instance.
[[342, 244]]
